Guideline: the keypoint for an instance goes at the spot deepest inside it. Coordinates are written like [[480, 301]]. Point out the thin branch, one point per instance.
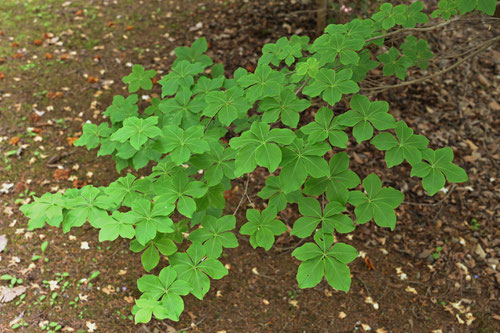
[[302, 86], [429, 28], [480, 49], [431, 204], [243, 196]]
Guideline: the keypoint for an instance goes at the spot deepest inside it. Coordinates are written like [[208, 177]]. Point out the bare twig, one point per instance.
[[243, 196], [432, 204], [429, 28], [479, 49], [299, 89]]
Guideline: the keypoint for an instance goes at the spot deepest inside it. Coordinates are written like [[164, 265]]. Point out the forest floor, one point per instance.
[[61, 62]]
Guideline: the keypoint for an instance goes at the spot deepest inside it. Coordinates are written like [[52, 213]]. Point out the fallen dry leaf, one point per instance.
[[61, 174], [14, 140], [38, 42], [3, 242], [411, 290], [129, 299], [18, 55], [8, 294], [79, 12], [48, 56], [93, 79], [14, 44], [2, 76], [495, 106], [111, 23], [77, 183], [369, 264], [130, 28], [71, 140]]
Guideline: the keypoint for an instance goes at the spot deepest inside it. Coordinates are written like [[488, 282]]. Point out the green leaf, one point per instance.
[[262, 227], [409, 18], [407, 145], [263, 83], [337, 274], [330, 217], [150, 218], [487, 6], [286, 105], [333, 44], [137, 131], [331, 85], [394, 64], [309, 68], [379, 203], [181, 144], [301, 159], [343, 252], [139, 78], [182, 189], [87, 204], [323, 127], [126, 189], [310, 272], [114, 226], [194, 54], [169, 287], [91, 135], [259, 146], [385, 16], [417, 51], [182, 110], [337, 183], [150, 258], [364, 114], [122, 108], [323, 259], [440, 165], [47, 208], [446, 9], [364, 65], [216, 234], [228, 105], [193, 268], [217, 163], [181, 75], [274, 191]]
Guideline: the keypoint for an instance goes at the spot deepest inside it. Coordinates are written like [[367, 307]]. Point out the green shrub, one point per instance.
[[208, 129]]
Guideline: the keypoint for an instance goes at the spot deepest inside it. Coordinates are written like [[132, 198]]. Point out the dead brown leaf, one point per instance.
[[14, 140], [495, 106], [61, 174], [48, 56], [8, 294], [369, 264], [38, 42], [77, 183], [93, 79], [71, 140]]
